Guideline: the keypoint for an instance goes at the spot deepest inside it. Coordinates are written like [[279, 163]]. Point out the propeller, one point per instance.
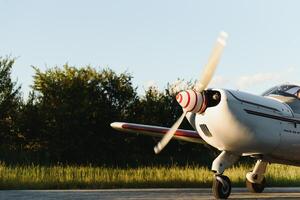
[[194, 100], [213, 61], [165, 140]]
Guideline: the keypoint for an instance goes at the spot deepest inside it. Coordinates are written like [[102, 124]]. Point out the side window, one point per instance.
[[298, 94], [284, 90], [293, 90]]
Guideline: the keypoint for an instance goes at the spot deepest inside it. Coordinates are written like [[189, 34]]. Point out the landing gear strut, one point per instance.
[[221, 187], [255, 180]]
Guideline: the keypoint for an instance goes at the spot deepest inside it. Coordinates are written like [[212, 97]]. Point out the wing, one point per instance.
[[157, 131]]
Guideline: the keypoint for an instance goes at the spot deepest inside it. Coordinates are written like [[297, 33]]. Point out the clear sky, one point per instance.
[[156, 41]]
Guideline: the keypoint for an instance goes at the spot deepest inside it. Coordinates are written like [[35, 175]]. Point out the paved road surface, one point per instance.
[[145, 194]]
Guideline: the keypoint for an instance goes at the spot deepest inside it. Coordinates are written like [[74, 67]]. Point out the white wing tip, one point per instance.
[[117, 125]]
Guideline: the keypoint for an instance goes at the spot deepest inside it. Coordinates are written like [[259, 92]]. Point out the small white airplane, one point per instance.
[[265, 127]]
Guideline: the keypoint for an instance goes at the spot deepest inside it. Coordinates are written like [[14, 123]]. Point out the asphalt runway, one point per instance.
[[145, 194]]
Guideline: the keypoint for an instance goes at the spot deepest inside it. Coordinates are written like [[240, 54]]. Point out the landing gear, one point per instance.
[[256, 187], [255, 180], [221, 188]]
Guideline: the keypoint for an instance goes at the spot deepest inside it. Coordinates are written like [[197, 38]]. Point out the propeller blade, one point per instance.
[[213, 61], [166, 139]]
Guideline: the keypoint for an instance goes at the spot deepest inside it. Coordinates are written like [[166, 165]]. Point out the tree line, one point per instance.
[[66, 119]]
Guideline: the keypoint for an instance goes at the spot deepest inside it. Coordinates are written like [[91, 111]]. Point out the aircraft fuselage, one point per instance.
[[250, 125]]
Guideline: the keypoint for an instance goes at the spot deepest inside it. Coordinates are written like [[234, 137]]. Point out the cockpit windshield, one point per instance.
[[284, 90]]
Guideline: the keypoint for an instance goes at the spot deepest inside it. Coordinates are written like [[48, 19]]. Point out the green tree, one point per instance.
[[77, 106], [9, 104]]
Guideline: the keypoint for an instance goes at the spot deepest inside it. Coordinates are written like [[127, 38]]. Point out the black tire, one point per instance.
[[221, 189], [256, 187]]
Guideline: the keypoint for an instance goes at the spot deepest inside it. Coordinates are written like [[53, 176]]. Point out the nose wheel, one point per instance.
[[221, 187]]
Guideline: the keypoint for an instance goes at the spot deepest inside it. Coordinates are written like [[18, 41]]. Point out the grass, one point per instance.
[[87, 177]]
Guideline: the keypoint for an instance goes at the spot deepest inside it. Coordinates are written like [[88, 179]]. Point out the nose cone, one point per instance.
[[183, 98], [190, 100], [179, 97]]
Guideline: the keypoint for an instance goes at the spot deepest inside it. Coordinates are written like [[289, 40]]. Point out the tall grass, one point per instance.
[[83, 177]]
